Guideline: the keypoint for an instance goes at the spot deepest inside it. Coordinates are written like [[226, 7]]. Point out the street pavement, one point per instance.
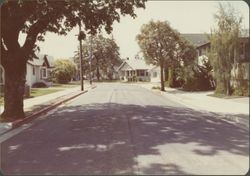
[[125, 129], [32, 104]]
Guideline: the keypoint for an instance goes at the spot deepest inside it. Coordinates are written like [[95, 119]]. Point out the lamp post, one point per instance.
[[81, 37]]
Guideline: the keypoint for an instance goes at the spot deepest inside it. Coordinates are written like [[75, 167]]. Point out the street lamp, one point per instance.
[[81, 37]]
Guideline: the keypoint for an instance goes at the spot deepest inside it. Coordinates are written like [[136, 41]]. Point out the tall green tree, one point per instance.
[[184, 56], [224, 42], [105, 55], [36, 18], [158, 42]]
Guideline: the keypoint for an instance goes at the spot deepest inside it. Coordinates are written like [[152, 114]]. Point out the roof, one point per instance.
[[244, 34], [196, 39], [42, 58], [203, 45], [136, 64]]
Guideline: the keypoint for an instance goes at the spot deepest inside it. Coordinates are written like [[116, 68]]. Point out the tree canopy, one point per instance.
[[36, 18], [105, 56], [163, 46]]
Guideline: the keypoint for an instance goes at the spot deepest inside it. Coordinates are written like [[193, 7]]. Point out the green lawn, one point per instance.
[[69, 85], [35, 92]]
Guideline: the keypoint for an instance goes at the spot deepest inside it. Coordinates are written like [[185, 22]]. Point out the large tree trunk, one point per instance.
[[162, 77], [15, 72]]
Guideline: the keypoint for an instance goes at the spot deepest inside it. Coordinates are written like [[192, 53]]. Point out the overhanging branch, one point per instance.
[[31, 37]]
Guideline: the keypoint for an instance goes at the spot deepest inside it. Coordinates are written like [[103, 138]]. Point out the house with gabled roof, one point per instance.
[[196, 39], [39, 70], [134, 70]]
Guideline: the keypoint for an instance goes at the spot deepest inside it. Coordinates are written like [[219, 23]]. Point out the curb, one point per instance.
[[36, 114], [93, 87], [227, 116], [232, 117]]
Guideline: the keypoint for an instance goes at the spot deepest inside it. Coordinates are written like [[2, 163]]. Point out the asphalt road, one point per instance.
[[125, 129]]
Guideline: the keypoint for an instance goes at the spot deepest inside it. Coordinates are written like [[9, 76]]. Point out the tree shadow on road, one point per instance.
[[114, 138]]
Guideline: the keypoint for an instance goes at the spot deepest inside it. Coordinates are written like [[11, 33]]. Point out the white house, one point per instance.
[[39, 70], [133, 70], [155, 74], [138, 70]]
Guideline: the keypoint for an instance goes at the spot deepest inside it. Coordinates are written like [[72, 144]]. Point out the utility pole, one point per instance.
[[90, 60], [81, 37]]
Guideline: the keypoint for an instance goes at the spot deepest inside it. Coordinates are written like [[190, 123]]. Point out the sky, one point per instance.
[[184, 16]]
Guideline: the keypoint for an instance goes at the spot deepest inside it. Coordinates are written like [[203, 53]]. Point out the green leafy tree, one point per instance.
[[36, 18], [184, 55], [105, 55], [224, 42], [64, 71], [157, 41]]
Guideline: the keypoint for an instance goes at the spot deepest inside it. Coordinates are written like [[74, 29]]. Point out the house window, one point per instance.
[[33, 70], [141, 73], [44, 73]]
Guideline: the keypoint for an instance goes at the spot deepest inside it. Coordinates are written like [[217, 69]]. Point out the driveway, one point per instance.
[[124, 129]]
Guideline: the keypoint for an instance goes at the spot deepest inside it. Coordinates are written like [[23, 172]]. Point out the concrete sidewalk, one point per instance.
[[40, 102], [30, 102], [203, 102]]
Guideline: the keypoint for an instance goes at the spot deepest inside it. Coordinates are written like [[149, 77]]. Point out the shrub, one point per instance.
[[175, 77], [64, 71], [156, 87], [242, 89], [199, 78], [39, 85]]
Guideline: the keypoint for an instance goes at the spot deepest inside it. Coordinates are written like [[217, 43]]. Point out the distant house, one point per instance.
[[155, 74], [37, 70], [196, 39], [134, 70], [138, 70]]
